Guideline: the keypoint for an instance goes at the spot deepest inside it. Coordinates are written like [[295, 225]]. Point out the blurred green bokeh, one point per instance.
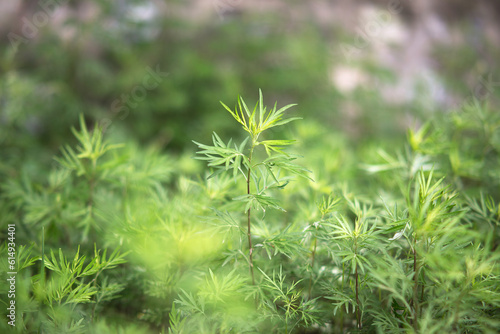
[[152, 74]]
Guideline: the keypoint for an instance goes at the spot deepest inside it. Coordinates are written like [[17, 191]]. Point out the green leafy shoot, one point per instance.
[[222, 156], [256, 124], [91, 148]]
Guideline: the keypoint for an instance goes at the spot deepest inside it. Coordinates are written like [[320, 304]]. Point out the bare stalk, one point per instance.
[[313, 253], [313, 256], [358, 315], [249, 226], [415, 286], [42, 271], [90, 200], [341, 309], [356, 276]]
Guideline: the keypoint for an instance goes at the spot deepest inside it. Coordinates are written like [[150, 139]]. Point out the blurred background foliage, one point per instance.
[[383, 91], [88, 55]]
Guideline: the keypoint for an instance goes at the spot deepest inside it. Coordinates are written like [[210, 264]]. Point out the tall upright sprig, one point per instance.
[[240, 159], [431, 211], [352, 240], [87, 162]]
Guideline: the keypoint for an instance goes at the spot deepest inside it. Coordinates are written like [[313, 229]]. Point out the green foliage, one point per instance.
[[391, 236], [281, 299], [383, 241], [265, 173]]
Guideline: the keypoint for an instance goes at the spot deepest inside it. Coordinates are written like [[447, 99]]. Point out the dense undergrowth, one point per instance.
[[290, 230]]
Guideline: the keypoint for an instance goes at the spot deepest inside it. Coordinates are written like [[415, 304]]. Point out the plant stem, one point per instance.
[[356, 277], [249, 227], [313, 253], [457, 310], [415, 286], [94, 281], [42, 271], [341, 309], [358, 319], [313, 256], [422, 289], [90, 200]]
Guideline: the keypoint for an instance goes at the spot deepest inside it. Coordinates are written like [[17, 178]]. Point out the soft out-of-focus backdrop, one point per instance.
[[365, 75], [364, 68]]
